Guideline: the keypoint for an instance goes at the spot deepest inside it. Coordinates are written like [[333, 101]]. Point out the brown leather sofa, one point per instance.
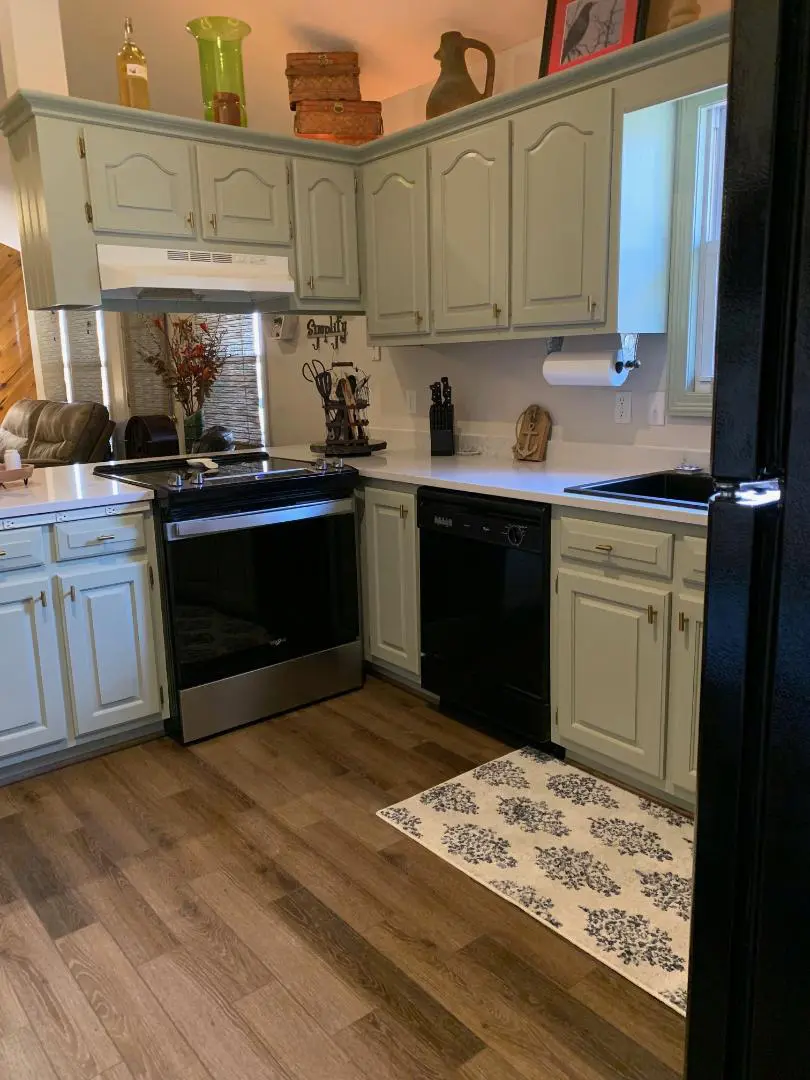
[[57, 433]]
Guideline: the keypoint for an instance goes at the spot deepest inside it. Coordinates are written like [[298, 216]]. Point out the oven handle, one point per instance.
[[181, 530]]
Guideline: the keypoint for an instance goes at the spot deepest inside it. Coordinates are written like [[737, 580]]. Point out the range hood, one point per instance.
[[145, 277]]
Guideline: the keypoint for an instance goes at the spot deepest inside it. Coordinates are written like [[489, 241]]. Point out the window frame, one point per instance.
[[685, 281]]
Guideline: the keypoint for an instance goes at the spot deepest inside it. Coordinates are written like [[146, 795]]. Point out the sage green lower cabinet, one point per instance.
[[140, 183], [110, 644], [469, 204], [391, 578], [560, 209], [395, 204], [686, 661], [612, 653], [244, 195], [33, 713], [326, 249]]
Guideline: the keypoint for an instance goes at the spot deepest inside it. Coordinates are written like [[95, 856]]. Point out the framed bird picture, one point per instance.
[[579, 30]]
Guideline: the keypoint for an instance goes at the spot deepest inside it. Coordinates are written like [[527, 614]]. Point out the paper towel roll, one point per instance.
[[583, 369]]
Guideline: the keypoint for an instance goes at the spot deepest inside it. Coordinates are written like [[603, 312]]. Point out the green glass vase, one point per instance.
[[219, 40], [192, 430]]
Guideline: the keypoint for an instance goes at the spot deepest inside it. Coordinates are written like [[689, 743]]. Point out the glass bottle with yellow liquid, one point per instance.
[[133, 86]]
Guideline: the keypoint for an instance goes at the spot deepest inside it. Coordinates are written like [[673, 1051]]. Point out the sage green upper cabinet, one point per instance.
[[397, 244], [244, 195], [327, 266], [561, 203], [469, 199], [139, 183]]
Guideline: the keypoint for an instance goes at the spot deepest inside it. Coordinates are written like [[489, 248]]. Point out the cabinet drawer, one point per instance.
[[21, 549], [99, 536], [692, 559], [598, 542]]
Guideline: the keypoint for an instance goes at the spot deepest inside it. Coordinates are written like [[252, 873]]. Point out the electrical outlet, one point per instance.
[[376, 353], [410, 401], [622, 409], [657, 409]]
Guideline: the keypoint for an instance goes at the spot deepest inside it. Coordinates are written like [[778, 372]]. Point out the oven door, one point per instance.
[[250, 591]]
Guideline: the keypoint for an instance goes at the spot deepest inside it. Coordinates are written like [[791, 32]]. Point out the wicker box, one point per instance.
[[351, 123], [325, 76]]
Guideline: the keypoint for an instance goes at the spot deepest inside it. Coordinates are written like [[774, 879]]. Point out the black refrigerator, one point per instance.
[[749, 997]]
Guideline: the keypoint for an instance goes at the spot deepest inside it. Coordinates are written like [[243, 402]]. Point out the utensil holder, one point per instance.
[[442, 430]]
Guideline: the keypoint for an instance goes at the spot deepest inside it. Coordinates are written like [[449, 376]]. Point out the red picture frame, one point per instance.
[[578, 30]]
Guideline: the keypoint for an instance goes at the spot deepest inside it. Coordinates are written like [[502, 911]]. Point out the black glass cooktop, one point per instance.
[[208, 472]]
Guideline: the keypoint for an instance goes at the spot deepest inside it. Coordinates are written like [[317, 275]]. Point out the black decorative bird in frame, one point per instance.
[[579, 30]]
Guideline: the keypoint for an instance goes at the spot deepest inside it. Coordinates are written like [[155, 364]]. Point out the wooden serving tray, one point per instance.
[[10, 476]]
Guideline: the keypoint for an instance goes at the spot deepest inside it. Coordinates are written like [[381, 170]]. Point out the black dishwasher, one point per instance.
[[485, 569]]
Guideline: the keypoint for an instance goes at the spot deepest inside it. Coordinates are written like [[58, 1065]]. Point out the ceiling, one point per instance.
[[396, 42]]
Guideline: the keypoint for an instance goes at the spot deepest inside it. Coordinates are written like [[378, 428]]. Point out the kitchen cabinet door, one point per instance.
[[139, 183], [392, 578], [244, 195], [110, 645], [560, 210], [33, 713], [397, 244], [612, 654], [469, 204], [327, 266], [685, 664]]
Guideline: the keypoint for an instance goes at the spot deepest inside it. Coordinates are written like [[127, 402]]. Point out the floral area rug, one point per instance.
[[606, 869]]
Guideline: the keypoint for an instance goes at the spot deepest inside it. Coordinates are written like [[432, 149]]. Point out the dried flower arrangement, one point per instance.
[[188, 356]]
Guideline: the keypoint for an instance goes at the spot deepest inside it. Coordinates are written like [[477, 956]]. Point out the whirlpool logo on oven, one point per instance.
[[443, 522]]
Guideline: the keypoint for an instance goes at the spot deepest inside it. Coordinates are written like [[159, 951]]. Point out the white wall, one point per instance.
[[492, 384]]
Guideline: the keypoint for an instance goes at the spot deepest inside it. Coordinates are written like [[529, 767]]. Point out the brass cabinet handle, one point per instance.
[[403, 512], [682, 621], [3, 554], [190, 220], [213, 222], [105, 537], [71, 593], [311, 283], [417, 317], [652, 615], [496, 312], [43, 598], [607, 548]]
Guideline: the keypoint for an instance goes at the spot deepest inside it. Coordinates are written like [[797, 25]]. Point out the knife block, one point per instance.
[[442, 431]]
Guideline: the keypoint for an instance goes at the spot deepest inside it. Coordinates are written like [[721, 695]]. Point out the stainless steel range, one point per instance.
[[259, 566]]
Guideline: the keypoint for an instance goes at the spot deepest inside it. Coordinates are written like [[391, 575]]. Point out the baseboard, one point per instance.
[[44, 763], [398, 677]]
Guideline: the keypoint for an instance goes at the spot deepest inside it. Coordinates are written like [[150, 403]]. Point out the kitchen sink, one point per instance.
[[675, 488]]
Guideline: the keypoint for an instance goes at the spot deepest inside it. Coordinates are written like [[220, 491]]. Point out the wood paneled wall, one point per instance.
[[16, 362]]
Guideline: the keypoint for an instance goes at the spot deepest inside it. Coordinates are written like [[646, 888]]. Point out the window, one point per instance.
[[697, 215], [238, 400], [73, 356]]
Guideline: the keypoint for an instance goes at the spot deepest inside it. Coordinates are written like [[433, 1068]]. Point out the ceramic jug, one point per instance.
[[454, 87]]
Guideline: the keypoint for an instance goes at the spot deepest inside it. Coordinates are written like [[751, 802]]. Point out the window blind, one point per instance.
[[80, 342], [146, 393], [50, 355], [236, 401]]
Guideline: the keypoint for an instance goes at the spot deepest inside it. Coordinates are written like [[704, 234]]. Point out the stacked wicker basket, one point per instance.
[[325, 95]]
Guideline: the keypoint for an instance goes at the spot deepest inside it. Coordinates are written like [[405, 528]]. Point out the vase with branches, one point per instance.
[[188, 356]]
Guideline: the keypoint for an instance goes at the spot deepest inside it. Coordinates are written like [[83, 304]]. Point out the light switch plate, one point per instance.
[[410, 400], [622, 410], [656, 411]]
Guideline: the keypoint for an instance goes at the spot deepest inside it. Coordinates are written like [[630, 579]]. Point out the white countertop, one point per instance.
[[72, 486], [68, 487], [533, 481]]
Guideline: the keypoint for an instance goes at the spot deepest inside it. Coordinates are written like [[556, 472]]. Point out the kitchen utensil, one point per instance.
[[314, 372]]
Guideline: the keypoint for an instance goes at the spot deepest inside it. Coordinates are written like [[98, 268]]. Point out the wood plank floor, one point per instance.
[[235, 911]]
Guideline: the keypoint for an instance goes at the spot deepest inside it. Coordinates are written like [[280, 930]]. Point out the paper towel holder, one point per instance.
[[626, 354]]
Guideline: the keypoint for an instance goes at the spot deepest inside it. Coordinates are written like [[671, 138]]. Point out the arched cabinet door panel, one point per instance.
[[469, 202], [244, 195], [327, 266], [140, 183]]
